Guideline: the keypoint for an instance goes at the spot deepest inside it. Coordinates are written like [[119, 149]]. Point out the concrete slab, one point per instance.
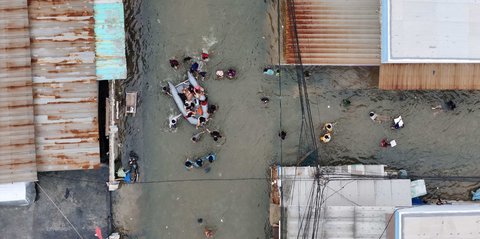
[[433, 31], [81, 195]]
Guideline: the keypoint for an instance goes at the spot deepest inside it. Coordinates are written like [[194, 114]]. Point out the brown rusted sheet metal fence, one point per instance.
[[334, 32], [429, 77], [17, 148], [64, 84]]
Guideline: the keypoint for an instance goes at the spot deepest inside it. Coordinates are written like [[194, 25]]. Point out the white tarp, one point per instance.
[[418, 188]]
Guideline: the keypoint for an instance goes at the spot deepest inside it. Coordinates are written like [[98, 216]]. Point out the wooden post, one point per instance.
[[112, 184]]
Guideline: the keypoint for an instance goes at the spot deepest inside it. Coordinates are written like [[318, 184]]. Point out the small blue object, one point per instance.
[[476, 195], [417, 201], [128, 178], [269, 72], [194, 67]]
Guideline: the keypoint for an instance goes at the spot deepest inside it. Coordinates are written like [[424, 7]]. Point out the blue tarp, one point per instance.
[[417, 201], [128, 178]]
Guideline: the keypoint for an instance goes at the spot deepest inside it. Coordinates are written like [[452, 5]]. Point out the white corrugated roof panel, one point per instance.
[[355, 207]]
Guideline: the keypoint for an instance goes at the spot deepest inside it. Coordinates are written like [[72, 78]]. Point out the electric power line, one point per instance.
[[330, 176], [388, 223]]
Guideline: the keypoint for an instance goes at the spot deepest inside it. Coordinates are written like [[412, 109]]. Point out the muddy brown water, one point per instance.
[[233, 196]]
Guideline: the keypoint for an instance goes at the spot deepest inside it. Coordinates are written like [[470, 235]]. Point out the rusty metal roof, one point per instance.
[[17, 148], [334, 32], [64, 84], [430, 77]]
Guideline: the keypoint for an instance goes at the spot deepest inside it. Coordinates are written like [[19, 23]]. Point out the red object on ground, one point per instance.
[[204, 56], [98, 233], [384, 143]]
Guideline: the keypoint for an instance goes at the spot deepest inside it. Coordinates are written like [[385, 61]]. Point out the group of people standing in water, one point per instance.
[[193, 102]]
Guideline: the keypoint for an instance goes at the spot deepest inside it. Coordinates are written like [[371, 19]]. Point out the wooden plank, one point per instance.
[[429, 77]]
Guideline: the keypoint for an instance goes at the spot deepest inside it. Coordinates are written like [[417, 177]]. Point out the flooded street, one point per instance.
[[233, 196]]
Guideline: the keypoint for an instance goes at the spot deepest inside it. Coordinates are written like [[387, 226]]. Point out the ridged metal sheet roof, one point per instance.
[[355, 203], [335, 32], [110, 40], [429, 77], [64, 84], [17, 148]]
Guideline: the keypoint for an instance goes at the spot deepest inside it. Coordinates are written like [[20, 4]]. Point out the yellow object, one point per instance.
[[328, 127], [326, 138]]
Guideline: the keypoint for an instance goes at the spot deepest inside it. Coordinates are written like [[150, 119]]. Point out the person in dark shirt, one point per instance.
[[215, 134], [174, 64]]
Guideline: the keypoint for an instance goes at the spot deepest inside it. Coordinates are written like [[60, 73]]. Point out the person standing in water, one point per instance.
[[201, 122], [268, 71], [231, 73], [196, 137], [198, 163], [174, 64], [212, 109], [188, 164], [215, 134], [173, 120]]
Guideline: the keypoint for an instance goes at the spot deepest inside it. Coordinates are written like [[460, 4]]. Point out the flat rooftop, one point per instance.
[[442, 222], [430, 31]]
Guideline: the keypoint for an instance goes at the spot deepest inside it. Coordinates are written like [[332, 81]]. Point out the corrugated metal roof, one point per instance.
[[335, 32], [353, 206], [17, 148], [64, 84], [343, 222], [110, 40], [429, 77]]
